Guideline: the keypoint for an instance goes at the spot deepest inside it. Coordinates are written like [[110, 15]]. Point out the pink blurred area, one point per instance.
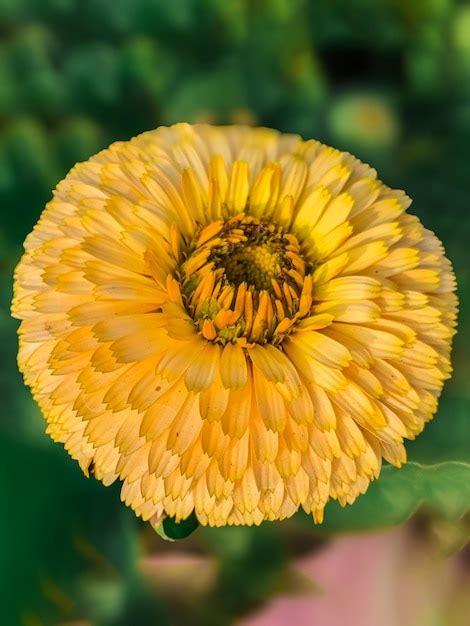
[[385, 579]]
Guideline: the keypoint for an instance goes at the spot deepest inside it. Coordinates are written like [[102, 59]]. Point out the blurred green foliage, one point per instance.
[[387, 79]]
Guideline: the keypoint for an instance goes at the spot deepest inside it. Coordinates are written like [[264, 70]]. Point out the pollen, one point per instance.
[[256, 265]]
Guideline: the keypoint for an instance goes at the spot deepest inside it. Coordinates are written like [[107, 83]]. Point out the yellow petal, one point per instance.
[[269, 401], [201, 373], [322, 348], [238, 187], [349, 288], [233, 368]]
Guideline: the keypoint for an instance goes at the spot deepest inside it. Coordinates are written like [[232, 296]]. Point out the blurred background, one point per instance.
[[388, 80]]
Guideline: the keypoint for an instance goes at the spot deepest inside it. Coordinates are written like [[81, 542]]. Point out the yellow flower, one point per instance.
[[233, 321]]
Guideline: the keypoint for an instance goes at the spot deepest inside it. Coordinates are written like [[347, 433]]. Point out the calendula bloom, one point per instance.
[[233, 321]]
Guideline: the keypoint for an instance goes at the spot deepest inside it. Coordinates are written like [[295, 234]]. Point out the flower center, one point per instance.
[[254, 264], [247, 281]]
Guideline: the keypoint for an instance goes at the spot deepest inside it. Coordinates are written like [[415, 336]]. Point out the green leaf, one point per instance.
[[170, 530], [447, 436], [443, 488]]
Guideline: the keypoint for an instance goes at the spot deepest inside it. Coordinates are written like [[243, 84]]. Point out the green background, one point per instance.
[[388, 80]]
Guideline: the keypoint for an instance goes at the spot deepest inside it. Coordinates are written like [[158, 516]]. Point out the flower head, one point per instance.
[[233, 321]]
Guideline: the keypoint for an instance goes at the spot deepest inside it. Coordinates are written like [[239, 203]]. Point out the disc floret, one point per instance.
[[245, 280]]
